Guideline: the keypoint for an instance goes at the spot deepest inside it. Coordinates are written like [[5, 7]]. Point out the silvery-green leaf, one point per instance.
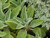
[[30, 36], [30, 11], [1, 12], [24, 13], [15, 11], [2, 34], [6, 5], [36, 23], [40, 32], [8, 35], [23, 32], [28, 21], [19, 20], [8, 14], [2, 25], [14, 24]]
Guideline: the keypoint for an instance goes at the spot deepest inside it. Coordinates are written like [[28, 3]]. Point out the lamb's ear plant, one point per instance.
[[25, 22], [4, 29]]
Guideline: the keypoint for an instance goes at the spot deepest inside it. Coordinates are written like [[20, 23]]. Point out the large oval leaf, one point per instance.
[[23, 32], [30, 11], [8, 14], [15, 11], [40, 32], [2, 34], [24, 13], [36, 23], [14, 24]]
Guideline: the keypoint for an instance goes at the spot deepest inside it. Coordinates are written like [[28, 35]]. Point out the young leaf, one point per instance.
[[2, 34], [36, 23], [8, 14], [1, 13], [30, 36], [24, 13], [23, 32], [14, 24], [30, 11], [15, 11]]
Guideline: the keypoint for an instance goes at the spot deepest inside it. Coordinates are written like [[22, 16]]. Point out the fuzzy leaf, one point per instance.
[[2, 34], [24, 13], [8, 35], [36, 23], [6, 5], [40, 32], [30, 36], [2, 25], [15, 11], [19, 20], [8, 14], [23, 32], [14, 24], [1, 12], [30, 11]]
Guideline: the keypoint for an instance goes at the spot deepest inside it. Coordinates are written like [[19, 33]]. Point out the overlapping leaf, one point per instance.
[[23, 32], [36, 23], [15, 11]]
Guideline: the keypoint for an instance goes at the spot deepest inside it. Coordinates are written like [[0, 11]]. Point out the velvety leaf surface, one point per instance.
[[40, 32], [36, 23], [2, 25], [2, 34], [24, 13], [30, 11], [15, 11], [8, 35], [30, 36], [22, 34], [1, 13], [8, 14], [14, 24]]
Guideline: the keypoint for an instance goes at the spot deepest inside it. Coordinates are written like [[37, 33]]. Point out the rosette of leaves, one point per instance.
[[24, 23], [42, 11], [4, 29]]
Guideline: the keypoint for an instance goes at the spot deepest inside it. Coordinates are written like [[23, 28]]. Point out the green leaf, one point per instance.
[[14, 24], [8, 35], [15, 11], [19, 20], [2, 34], [2, 25], [8, 14], [30, 11], [36, 23], [40, 32], [24, 13], [30, 36], [3, 1], [1, 12], [23, 32], [28, 21], [6, 5]]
